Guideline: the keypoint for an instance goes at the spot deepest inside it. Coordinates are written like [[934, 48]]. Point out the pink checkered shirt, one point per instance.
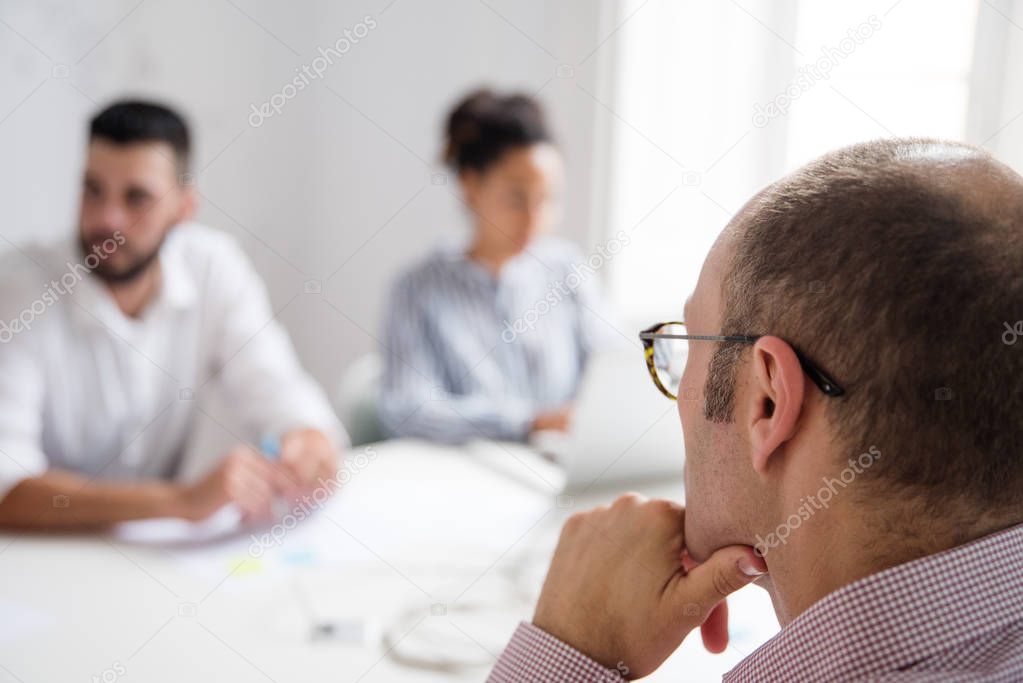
[[953, 616]]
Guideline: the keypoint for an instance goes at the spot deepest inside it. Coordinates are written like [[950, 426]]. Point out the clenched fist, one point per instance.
[[617, 589], [243, 477]]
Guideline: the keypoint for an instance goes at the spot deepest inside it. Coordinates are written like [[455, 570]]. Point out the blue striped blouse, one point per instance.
[[470, 355]]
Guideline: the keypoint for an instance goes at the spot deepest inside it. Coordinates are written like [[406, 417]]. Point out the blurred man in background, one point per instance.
[[105, 340]]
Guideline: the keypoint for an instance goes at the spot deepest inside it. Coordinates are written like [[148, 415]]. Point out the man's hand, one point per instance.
[[559, 420], [244, 477], [308, 455], [617, 589]]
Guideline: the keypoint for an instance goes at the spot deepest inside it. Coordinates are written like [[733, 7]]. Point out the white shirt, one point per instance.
[[87, 389]]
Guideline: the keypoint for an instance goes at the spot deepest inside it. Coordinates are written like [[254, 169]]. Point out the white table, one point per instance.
[[425, 543]]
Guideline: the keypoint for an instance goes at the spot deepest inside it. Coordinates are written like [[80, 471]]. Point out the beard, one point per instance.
[[136, 267]]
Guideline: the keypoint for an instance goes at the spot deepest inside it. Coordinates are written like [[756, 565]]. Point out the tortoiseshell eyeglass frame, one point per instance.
[[647, 337]]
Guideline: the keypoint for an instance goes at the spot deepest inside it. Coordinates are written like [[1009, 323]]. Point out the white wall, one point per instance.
[[339, 187], [716, 100]]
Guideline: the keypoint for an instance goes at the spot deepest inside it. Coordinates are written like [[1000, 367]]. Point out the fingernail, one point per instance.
[[747, 567]]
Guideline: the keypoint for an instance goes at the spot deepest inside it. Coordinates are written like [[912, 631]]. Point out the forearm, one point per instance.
[[64, 500], [457, 419]]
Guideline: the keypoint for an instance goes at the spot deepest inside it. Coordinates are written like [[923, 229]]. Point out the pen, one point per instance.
[[271, 447]]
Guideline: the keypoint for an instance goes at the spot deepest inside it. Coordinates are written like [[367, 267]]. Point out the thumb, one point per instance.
[[723, 573]]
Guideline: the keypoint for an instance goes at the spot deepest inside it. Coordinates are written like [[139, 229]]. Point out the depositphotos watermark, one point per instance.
[[315, 69], [810, 74], [581, 272], [274, 536], [619, 674], [810, 504], [111, 673], [1012, 333], [75, 273]]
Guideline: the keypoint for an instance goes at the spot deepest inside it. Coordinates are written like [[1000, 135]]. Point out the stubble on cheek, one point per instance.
[[715, 501], [695, 497]]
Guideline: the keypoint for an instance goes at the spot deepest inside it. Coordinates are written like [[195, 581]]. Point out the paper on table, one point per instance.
[[221, 525], [18, 621]]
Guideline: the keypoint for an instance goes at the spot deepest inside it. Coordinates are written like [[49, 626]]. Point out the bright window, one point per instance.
[[693, 132]]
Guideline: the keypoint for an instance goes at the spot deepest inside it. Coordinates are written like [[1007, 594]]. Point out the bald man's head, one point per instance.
[[894, 265]]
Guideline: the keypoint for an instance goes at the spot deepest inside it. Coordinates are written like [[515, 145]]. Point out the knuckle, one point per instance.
[[573, 523], [667, 512], [665, 505], [579, 523], [627, 500]]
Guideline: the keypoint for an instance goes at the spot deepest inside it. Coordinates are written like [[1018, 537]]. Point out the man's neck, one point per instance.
[[133, 296], [839, 545], [811, 564]]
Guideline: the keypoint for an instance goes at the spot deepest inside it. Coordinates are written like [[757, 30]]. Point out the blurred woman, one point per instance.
[[488, 339]]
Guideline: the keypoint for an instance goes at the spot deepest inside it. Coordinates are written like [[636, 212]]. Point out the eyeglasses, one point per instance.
[[666, 346]]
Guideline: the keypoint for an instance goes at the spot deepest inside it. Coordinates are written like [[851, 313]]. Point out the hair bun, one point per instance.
[[465, 122], [484, 125]]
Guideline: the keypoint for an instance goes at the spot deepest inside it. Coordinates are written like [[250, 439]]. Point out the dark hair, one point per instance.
[[485, 125], [130, 121], [896, 265]]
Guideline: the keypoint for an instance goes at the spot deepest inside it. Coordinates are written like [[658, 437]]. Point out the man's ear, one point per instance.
[[774, 398], [189, 204]]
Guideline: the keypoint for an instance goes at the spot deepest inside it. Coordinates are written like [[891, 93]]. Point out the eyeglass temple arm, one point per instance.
[[823, 381], [818, 376]]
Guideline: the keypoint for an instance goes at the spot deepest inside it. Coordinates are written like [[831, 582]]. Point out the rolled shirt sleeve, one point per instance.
[[21, 399]]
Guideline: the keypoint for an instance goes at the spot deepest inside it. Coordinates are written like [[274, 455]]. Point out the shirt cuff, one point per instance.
[[516, 423], [535, 656], [329, 426]]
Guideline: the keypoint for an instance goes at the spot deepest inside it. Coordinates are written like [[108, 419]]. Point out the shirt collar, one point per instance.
[[899, 616], [456, 253], [93, 303]]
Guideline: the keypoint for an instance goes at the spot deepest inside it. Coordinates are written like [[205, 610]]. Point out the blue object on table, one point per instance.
[[271, 446]]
